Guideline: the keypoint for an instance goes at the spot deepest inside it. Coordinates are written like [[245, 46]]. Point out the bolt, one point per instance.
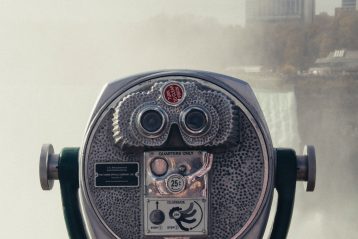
[[182, 168]]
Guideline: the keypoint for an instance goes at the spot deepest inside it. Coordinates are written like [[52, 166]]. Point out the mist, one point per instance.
[[53, 66]]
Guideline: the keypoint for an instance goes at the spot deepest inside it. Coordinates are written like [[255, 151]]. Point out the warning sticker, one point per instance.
[[117, 174]]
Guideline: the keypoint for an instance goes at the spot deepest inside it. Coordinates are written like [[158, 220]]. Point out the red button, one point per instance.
[[173, 93]]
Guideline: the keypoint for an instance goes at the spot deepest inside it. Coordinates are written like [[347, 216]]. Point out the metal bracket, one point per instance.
[[289, 169], [64, 167]]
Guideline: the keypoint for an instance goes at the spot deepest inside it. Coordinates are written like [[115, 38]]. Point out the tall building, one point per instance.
[[279, 10], [351, 4], [348, 7]]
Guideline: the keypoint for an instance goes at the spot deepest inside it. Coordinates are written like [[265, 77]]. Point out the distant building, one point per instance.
[[261, 11], [344, 11], [337, 62], [348, 7], [350, 4]]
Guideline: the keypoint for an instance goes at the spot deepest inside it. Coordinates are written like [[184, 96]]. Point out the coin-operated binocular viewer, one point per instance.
[[177, 154]]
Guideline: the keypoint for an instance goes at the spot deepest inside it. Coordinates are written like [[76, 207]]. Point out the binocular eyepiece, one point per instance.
[[176, 154], [194, 121]]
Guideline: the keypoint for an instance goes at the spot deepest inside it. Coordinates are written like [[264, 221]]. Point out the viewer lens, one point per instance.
[[196, 120], [151, 121]]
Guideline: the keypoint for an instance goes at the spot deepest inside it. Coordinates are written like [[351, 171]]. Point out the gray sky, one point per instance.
[[228, 11]]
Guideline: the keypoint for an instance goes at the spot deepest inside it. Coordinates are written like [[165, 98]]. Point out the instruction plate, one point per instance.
[[117, 174], [180, 216]]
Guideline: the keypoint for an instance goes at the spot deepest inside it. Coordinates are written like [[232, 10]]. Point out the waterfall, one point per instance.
[[280, 111]]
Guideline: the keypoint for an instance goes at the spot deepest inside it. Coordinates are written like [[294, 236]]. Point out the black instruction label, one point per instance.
[[117, 175]]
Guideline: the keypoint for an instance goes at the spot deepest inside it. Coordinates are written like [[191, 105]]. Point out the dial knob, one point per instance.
[[157, 217], [159, 166]]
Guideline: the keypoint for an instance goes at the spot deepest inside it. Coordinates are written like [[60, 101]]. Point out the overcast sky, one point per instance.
[[226, 11]]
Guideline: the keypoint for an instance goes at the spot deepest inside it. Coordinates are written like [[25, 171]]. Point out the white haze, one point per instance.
[[56, 55]]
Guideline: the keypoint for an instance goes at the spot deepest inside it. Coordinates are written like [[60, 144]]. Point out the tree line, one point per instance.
[[295, 46]]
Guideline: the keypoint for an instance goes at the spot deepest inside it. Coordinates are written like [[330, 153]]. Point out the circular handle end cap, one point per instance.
[[46, 151]]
